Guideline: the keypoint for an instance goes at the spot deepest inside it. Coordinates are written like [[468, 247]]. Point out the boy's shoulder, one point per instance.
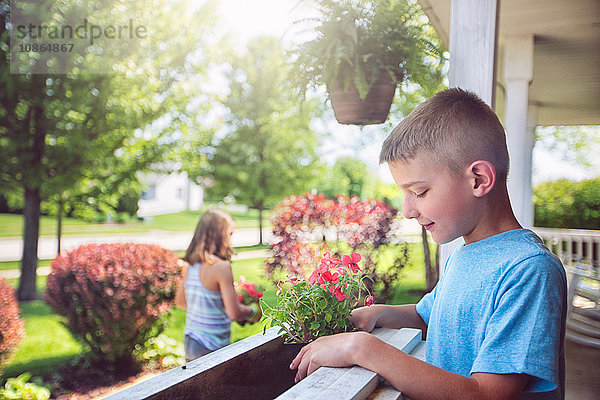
[[514, 249]]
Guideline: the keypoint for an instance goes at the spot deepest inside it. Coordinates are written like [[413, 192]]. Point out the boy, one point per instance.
[[495, 322]]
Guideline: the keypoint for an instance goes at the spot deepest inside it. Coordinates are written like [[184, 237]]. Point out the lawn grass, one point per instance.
[[11, 225], [48, 344]]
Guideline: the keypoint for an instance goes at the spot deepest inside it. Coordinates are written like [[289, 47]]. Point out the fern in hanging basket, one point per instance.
[[359, 45]]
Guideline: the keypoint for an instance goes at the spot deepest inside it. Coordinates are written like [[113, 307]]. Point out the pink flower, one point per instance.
[[290, 280], [369, 300], [313, 277], [333, 261], [331, 277], [339, 295], [351, 261]]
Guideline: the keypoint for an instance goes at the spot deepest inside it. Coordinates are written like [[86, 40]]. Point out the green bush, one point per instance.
[[19, 389], [567, 204], [160, 352], [114, 296]]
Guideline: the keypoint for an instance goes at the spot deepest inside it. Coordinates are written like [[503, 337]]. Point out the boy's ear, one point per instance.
[[483, 177]]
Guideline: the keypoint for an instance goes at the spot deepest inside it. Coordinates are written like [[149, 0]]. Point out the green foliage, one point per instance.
[[77, 138], [356, 40], [160, 352], [20, 389], [269, 150], [321, 306], [576, 144], [348, 176], [567, 204]]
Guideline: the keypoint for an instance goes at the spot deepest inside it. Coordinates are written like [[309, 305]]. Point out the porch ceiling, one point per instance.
[[566, 73]]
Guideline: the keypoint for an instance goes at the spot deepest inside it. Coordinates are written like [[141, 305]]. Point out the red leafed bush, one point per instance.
[[304, 227], [114, 295], [11, 325]]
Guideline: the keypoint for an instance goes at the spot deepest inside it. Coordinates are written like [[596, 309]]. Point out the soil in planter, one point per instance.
[[294, 349]]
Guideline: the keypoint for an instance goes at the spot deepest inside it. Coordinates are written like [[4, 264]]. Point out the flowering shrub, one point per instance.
[[321, 305], [306, 226], [248, 292], [114, 296], [11, 325]]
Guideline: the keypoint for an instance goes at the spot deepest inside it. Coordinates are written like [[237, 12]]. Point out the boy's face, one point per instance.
[[441, 202]]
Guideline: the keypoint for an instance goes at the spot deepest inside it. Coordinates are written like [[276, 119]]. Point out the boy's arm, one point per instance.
[[413, 377], [386, 316]]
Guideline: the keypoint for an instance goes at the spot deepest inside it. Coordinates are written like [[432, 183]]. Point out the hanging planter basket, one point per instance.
[[373, 109]]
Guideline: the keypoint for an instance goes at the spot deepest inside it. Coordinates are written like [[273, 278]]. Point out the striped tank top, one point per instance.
[[206, 320]]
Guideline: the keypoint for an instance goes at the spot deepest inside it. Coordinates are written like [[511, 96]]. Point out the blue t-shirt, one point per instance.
[[500, 307]]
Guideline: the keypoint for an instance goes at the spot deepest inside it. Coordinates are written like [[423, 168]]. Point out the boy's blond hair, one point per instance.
[[454, 128]]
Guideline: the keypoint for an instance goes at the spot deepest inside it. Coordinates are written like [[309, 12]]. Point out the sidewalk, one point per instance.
[[43, 271], [11, 249]]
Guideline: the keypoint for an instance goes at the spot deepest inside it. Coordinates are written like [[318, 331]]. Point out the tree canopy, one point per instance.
[[81, 132], [269, 149]]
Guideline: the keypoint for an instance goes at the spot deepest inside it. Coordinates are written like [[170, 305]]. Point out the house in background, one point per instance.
[[168, 193]]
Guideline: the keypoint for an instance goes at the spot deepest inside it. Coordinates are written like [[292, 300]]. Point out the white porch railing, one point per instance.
[[572, 245], [579, 251]]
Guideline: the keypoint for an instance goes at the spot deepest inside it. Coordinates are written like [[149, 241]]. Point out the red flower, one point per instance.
[[339, 295], [331, 277], [313, 277], [334, 261], [351, 261], [369, 300]]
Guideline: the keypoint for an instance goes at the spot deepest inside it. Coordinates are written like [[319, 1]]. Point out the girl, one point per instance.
[[207, 291]]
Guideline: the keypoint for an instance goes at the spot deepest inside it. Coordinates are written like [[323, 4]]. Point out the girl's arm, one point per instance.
[[180, 300], [235, 310]]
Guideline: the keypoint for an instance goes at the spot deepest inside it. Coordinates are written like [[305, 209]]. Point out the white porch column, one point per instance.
[[472, 58], [518, 73]]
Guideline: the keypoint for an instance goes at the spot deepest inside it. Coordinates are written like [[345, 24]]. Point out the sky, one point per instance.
[[248, 19]]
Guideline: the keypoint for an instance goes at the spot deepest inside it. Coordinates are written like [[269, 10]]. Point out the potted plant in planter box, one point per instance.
[[361, 51], [320, 305]]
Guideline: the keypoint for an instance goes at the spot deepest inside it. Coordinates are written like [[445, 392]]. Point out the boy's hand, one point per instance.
[[365, 318], [331, 351]]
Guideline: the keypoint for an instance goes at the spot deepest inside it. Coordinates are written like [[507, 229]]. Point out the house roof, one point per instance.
[[566, 73]]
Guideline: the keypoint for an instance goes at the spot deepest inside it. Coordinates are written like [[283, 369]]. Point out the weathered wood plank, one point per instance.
[[256, 367], [385, 391], [353, 382], [419, 351]]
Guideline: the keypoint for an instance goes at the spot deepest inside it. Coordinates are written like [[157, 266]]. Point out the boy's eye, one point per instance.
[[422, 194]]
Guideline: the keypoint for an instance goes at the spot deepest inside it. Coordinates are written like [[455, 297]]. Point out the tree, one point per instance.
[[578, 145], [269, 149], [567, 204], [348, 176], [78, 131]]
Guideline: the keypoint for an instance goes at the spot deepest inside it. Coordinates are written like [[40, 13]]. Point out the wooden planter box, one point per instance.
[[258, 368]]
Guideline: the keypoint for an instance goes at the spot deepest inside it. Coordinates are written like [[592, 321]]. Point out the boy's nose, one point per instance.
[[408, 211]]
